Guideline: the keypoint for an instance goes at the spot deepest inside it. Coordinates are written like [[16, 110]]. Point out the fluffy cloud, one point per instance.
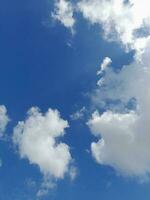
[[4, 119], [64, 13], [123, 129], [124, 135], [124, 21], [119, 19], [38, 140]]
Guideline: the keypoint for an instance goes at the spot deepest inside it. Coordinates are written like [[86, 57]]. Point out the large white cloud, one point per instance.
[[38, 140], [4, 119], [121, 20], [118, 18], [123, 129], [124, 134], [64, 13]]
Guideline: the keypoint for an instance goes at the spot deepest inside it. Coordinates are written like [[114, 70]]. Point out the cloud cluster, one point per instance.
[[124, 135], [119, 19], [38, 140], [123, 130], [64, 13], [124, 21]]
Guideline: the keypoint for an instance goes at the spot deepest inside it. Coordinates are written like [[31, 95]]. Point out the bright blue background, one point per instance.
[[39, 68]]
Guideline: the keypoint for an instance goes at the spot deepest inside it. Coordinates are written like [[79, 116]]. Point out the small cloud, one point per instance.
[[108, 184], [73, 173], [46, 186], [30, 183], [4, 119], [79, 114], [88, 151], [64, 13], [106, 62], [1, 163]]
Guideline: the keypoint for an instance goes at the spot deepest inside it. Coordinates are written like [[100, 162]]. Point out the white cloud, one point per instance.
[[119, 19], [38, 140], [106, 62], [64, 13], [4, 119], [123, 129], [124, 136], [124, 21]]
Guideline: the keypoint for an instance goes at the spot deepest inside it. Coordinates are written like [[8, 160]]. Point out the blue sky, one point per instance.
[[44, 65]]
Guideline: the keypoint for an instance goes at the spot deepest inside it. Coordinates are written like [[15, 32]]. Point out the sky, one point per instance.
[[74, 99]]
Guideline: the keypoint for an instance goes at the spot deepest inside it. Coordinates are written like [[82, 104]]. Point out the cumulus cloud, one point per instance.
[[124, 135], [38, 139], [123, 130], [64, 13], [4, 119], [124, 21], [120, 19]]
